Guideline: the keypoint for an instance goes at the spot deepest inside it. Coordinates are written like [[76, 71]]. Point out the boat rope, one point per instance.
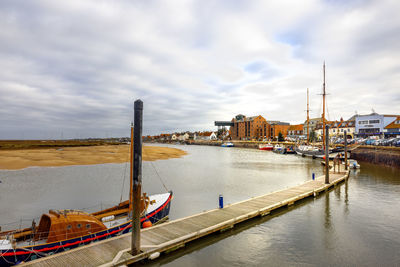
[[9, 262], [38, 253], [327, 110], [319, 115], [159, 177], [123, 181]]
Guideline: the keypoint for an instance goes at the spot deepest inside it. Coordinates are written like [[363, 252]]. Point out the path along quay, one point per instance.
[[172, 235]]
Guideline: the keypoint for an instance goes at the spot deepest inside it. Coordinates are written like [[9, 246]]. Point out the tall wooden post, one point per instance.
[[131, 175], [327, 154], [137, 177], [345, 150], [323, 113], [308, 121]]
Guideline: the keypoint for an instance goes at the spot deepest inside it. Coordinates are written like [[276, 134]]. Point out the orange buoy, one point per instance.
[[323, 157], [147, 224]]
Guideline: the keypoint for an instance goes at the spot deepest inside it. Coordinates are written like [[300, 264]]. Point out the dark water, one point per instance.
[[356, 224]]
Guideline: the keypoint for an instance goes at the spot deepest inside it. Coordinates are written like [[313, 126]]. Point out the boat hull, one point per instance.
[[318, 153], [12, 257], [227, 145]]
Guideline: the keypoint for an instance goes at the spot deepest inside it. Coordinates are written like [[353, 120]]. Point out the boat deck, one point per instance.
[[174, 234]]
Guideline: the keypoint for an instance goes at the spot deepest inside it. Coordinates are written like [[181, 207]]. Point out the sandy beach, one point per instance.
[[51, 157]]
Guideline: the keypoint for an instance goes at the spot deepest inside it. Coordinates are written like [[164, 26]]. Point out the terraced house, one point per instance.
[[393, 129], [337, 128], [295, 131]]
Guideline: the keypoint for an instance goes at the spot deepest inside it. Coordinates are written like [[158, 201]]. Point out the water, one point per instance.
[[357, 223]]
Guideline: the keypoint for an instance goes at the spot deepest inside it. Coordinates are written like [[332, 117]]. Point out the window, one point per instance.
[[374, 121], [397, 122], [69, 227], [78, 225], [341, 130], [87, 226]]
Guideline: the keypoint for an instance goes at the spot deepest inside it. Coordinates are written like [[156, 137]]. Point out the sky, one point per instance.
[[72, 69]]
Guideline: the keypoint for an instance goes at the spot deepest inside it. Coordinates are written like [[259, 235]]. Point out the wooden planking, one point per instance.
[[163, 237]]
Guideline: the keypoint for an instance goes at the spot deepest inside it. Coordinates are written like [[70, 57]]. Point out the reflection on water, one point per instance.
[[356, 224]]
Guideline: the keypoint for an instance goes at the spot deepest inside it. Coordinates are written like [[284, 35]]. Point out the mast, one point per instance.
[[131, 174], [308, 120], [323, 109]]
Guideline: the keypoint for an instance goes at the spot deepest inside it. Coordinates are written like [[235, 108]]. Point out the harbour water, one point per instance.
[[357, 223]]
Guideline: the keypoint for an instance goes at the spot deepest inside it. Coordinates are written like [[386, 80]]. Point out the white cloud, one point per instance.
[[76, 67]]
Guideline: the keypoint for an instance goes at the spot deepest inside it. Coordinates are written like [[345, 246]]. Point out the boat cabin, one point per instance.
[[59, 225]]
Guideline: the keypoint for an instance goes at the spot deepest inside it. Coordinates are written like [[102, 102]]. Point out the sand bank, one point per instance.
[[51, 157]]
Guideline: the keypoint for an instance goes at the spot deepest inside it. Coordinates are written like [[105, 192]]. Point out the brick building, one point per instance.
[[248, 128], [277, 127]]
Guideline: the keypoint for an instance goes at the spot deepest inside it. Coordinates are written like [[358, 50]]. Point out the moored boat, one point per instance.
[[353, 164], [316, 152], [278, 148], [227, 144], [289, 150], [268, 147], [62, 230]]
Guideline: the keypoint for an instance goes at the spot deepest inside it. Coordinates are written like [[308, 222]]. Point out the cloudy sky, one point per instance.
[[72, 69]]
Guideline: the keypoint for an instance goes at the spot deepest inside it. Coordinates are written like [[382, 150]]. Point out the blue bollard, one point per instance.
[[221, 202], [313, 176]]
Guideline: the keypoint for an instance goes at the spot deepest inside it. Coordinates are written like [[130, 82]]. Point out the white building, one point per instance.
[[373, 124], [213, 136]]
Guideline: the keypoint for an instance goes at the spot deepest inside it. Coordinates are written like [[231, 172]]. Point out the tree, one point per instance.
[[280, 137], [221, 133]]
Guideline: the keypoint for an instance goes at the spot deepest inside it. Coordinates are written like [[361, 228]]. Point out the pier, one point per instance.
[[173, 235]]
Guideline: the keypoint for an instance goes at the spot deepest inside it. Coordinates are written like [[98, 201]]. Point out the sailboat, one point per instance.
[[62, 230], [312, 151]]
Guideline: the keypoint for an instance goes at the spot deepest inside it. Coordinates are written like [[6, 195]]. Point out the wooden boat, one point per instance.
[[315, 152], [267, 147], [62, 230]]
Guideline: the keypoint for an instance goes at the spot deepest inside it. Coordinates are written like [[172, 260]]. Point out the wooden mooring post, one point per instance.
[[345, 150], [137, 177], [326, 154]]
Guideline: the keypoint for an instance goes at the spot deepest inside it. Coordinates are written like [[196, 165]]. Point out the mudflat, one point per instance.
[[66, 156]]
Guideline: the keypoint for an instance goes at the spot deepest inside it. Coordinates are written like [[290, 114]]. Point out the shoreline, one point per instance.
[[86, 155], [379, 155]]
